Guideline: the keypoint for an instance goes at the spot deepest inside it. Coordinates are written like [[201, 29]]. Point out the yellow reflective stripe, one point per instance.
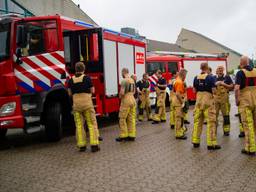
[[81, 139], [196, 134], [92, 129], [250, 124]]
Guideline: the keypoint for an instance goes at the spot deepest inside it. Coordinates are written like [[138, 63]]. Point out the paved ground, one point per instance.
[[155, 162]]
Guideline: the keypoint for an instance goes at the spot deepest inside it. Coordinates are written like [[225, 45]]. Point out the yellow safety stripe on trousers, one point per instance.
[[123, 124], [211, 139], [197, 130], [132, 129], [93, 132], [80, 132], [250, 123]]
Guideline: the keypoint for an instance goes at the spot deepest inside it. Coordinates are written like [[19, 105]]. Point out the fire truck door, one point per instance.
[[85, 46]]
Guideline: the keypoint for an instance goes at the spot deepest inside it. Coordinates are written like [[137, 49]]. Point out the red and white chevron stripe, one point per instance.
[[40, 72]]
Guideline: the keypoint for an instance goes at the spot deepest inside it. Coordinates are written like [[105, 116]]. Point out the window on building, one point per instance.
[[14, 8], [41, 37], [10, 6], [172, 67], [152, 67]]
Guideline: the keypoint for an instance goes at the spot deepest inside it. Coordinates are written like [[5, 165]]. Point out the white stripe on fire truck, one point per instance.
[[23, 78], [45, 67], [36, 73], [55, 61], [61, 53]]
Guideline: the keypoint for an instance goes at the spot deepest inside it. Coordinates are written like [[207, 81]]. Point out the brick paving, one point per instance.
[[155, 162]]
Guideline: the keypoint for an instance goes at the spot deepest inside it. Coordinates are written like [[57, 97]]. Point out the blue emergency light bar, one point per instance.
[[81, 23]]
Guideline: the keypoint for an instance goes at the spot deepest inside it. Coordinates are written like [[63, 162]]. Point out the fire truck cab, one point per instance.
[[37, 58]]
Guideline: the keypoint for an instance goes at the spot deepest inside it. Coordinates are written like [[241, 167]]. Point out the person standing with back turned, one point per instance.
[[81, 90], [127, 113], [204, 84], [245, 94]]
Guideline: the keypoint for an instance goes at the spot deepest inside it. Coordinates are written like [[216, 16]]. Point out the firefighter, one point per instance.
[[170, 86], [178, 104], [160, 113], [81, 90], [204, 85], [221, 97], [143, 89], [245, 94], [127, 113]]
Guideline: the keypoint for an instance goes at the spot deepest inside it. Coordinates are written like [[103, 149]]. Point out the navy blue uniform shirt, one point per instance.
[[226, 78], [162, 81], [204, 85], [240, 77], [81, 87]]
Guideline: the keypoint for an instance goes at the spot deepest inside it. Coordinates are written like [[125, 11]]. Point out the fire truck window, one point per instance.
[[5, 41], [67, 49], [41, 37], [152, 67], [172, 67]]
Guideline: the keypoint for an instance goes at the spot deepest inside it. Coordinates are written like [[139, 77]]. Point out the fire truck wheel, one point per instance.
[[3, 133], [53, 122]]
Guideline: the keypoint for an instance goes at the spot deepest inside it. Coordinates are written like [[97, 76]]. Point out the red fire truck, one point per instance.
[[170, 62], [37, 56]]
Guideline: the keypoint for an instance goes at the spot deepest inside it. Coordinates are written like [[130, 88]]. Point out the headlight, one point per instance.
[[7, 109]]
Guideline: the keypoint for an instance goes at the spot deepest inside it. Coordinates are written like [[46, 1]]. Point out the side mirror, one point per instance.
[[19, 55], [21, 37]]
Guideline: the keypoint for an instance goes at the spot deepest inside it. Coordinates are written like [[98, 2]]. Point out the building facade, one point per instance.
[[194, 41], [44, 7]]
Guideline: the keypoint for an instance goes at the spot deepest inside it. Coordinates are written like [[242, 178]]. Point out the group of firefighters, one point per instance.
[[212, 96]]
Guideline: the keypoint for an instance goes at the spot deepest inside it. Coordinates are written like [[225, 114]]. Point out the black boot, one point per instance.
[[119, 139], [196, 145], [95, 148], [130, 138], [172, 126], [163, 121], [100, 139], [226, 134], [155, 122], [186, 122], [82, 149], [214, 147], [184, 137], [241, 134], [247, 152]]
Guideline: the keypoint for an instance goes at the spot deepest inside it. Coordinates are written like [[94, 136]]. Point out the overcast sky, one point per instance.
[[230, 22]]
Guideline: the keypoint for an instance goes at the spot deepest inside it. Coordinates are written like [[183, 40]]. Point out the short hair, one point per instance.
[[204, 66], [183, 71], [125, 70], [144, 75], [210, 69], [79, 67], [159, 72], [220, 67]]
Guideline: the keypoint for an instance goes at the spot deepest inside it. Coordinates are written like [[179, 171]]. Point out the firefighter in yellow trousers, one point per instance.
[[143, 89], [160, 113], [127, 113], [178, 104], [81, 89], [204, 85], [245, 94], [172, 94], [221, 96]]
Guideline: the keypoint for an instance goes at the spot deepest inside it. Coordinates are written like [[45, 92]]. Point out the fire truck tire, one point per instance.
[[3, 133], [53, 122]]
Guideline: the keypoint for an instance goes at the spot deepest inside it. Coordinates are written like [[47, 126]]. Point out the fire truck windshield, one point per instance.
[[5, 41]]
